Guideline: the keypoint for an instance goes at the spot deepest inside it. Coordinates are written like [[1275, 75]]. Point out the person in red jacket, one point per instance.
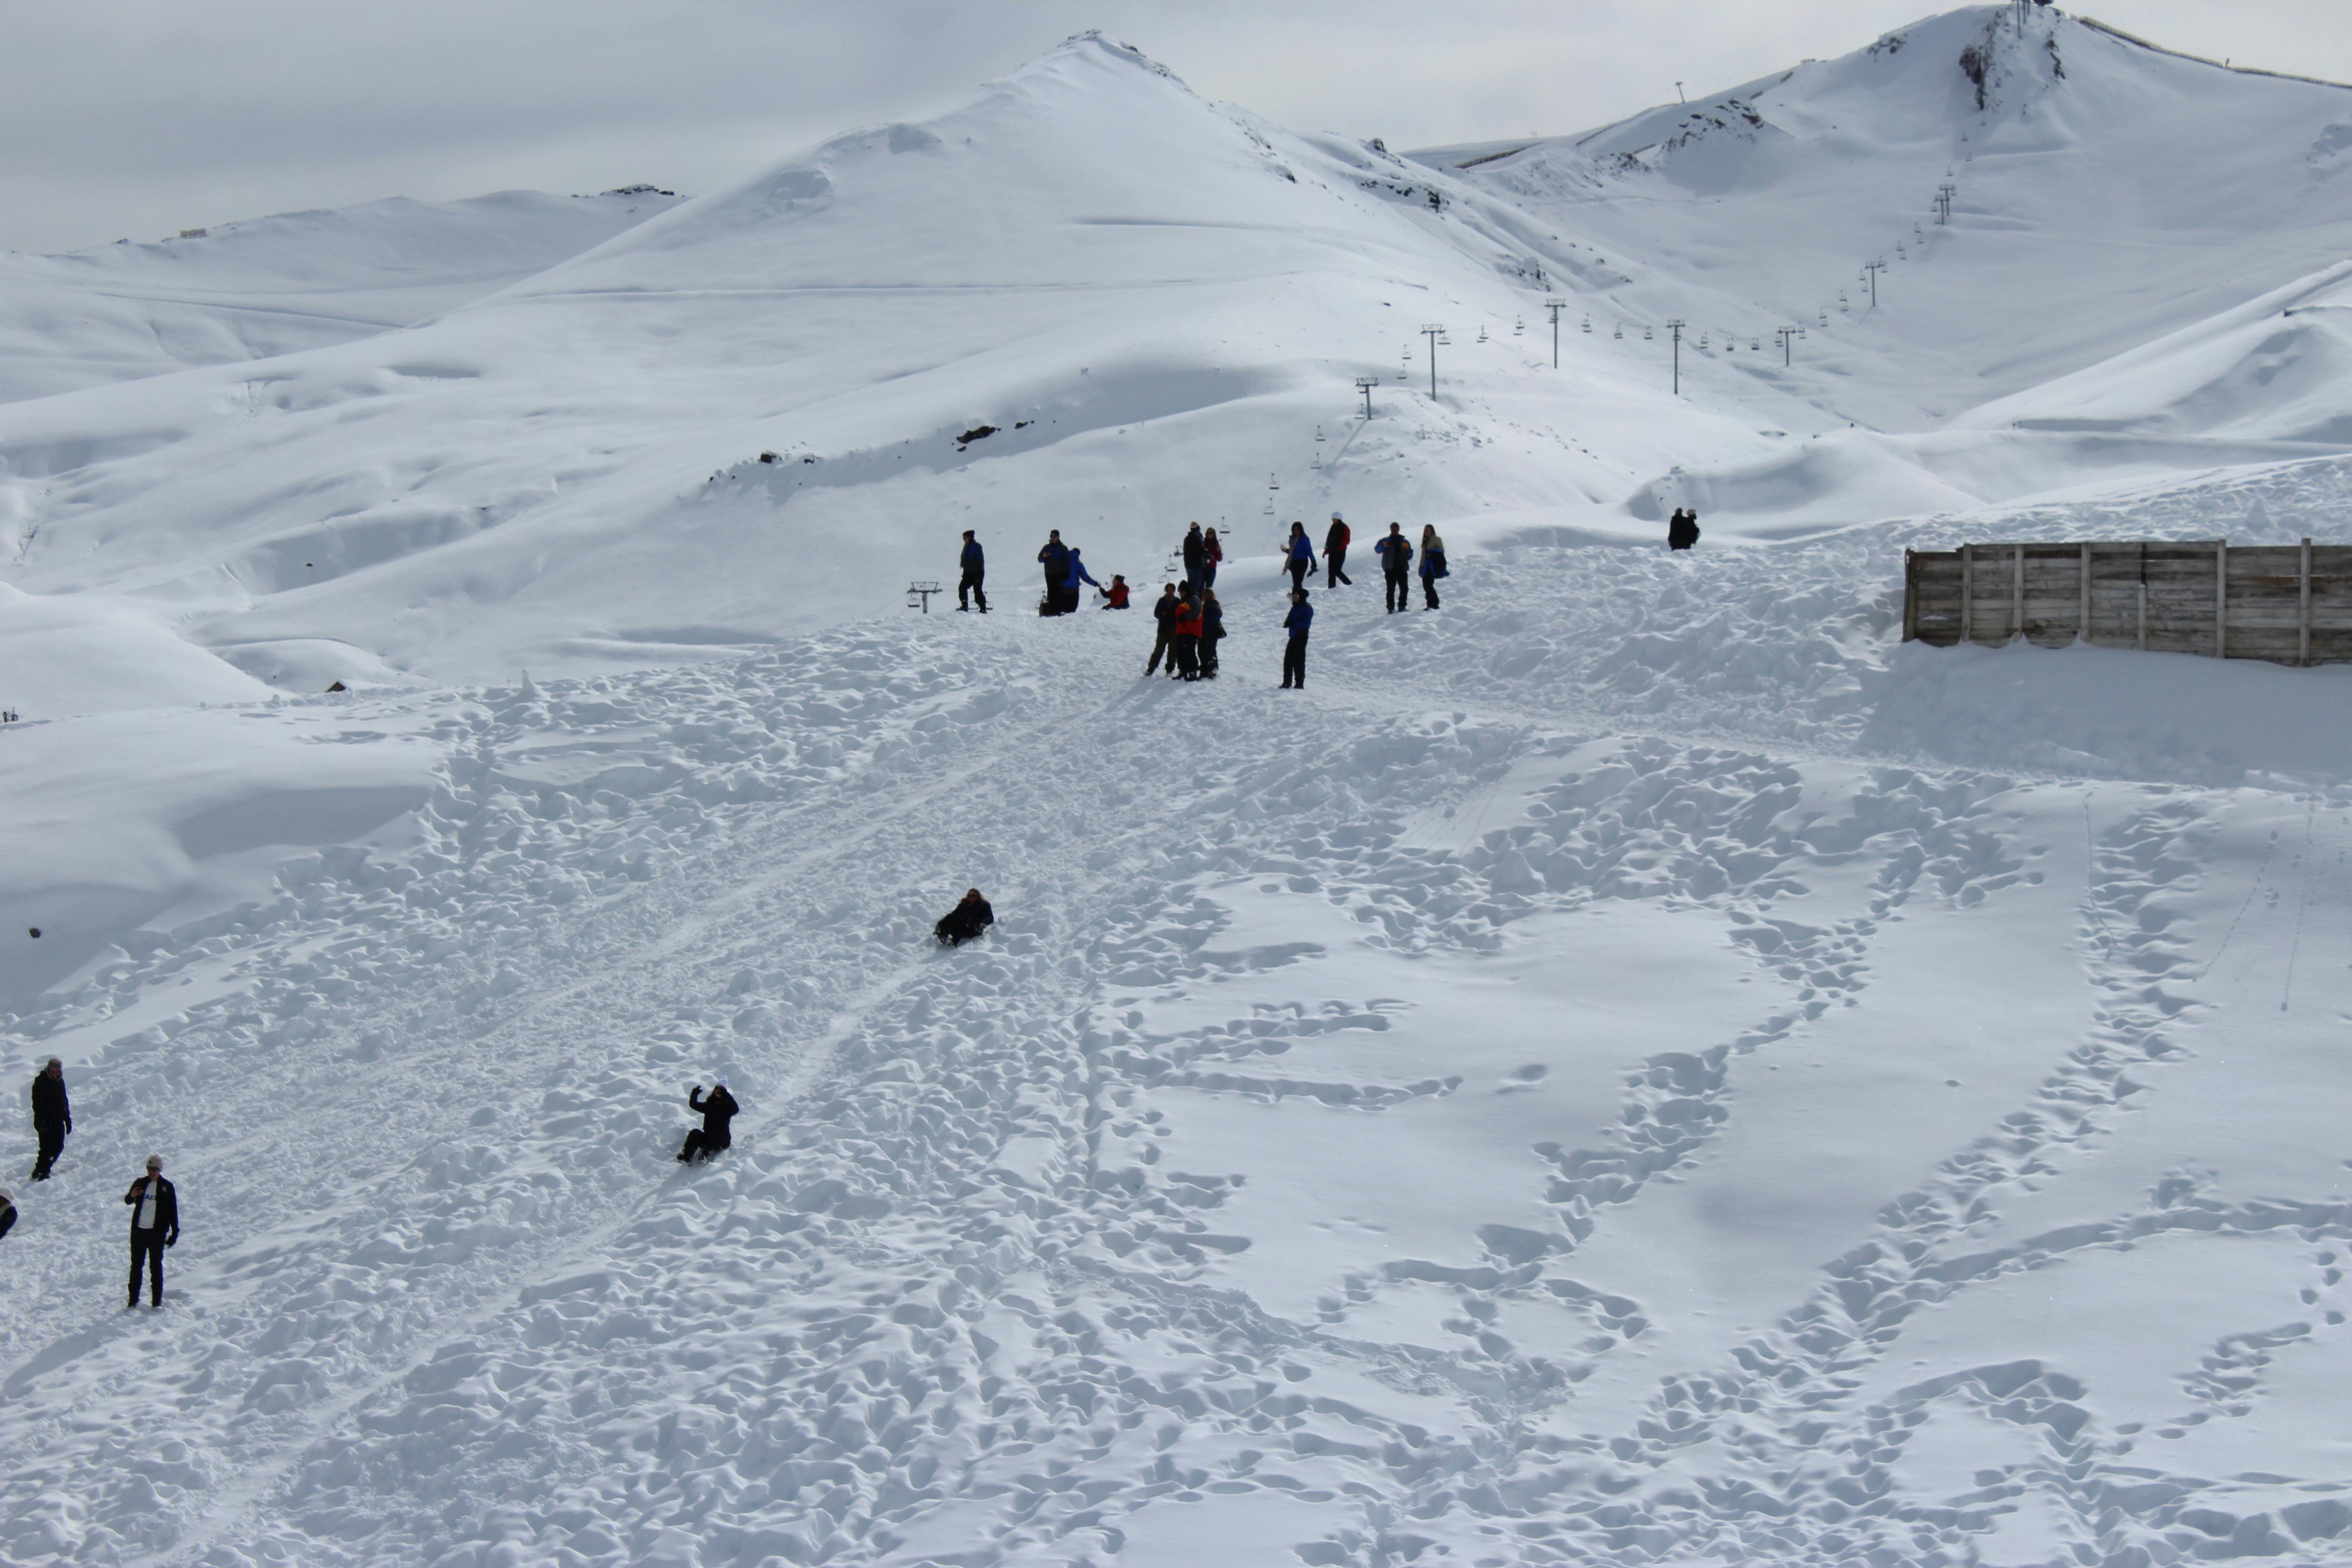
[[1115, 596], [1335, 555], [1186, 624]]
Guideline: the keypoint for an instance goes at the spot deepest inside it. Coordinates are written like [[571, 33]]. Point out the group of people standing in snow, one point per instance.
[[1190, 622], [153, 1203]]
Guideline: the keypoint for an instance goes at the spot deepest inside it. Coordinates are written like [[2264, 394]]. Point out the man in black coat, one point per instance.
[[154, 1226], [719, 1108], [1682, 529], [52, 1116], [974, 562], [1055, 560], [966, 921], [1196, 559], [1164, 645]]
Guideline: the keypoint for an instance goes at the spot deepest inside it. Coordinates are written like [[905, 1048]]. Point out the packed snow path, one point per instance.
[[1585, 1081]]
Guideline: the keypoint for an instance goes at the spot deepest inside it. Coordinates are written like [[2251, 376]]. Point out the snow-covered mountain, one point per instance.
[[278, 285], [1633, 1065]]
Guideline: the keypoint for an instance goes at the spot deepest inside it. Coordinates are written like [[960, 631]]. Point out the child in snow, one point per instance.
[[966, 921], [1432, 563], [1294, 652], [1212, 553], [1335, 555], [1115, 596], [717, 1108], [1163, 644], [1213, 632]]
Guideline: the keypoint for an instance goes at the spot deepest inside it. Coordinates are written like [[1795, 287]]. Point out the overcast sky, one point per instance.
[[142, 117]]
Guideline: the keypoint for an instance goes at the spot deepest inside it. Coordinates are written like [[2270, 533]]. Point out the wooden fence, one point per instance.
[[2290, 604]]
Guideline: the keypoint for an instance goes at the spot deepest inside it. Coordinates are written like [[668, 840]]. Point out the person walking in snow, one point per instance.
[[1299, 558], [1432, 563], [52, 1117], [1196, 558], [1396, 566], [975, 570], [1163, 645], [1216, 554], [966, 921], [154, 1226], [717, 1108], [1115, 596], [1213, 632], [1079, 578], [1682, 529], [1055, 561], [1294, 652], [1335, 555]]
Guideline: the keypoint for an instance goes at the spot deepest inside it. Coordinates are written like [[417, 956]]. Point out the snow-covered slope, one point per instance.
[[1635, 1065], [278, 285]]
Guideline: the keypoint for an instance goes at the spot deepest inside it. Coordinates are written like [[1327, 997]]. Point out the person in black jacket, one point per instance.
[[1055, 560], [1335, 555], [1213, 632], [719, 1108], [52, 1116], [154, 1226], [1164, 645], [1396, 565], [1682, 529], [7, 1211], [1196, 559], [966, 921], [975, 570]]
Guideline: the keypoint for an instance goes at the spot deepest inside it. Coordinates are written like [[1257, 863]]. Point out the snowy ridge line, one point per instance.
[[2136, 40]]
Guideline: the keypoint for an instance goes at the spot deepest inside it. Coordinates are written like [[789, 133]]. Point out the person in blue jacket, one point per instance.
[[1300, 557], [1079, 576], [1396, 565], [1294, 652], [1432, 563], [1055, 559], [975, 568]]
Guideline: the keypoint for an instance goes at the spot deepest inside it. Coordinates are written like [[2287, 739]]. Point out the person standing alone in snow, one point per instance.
[[1396, 566], [975, 568], [1294, 652], [717, 1108], [1299, 559], [154, 1226], [1335, 555], [52, 1117]]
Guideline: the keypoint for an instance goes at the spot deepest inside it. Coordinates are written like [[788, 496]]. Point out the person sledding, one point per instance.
[[964, 921], [717, 1108]]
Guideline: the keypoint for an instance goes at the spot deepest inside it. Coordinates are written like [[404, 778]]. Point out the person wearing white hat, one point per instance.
[[1335, 555]]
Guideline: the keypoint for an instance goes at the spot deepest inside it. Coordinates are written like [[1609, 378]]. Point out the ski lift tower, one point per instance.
[[1555, 306], [1676, 327], [1364, 383], [1787, 336], [1435, 332], [921, 594], [1871, 269]]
